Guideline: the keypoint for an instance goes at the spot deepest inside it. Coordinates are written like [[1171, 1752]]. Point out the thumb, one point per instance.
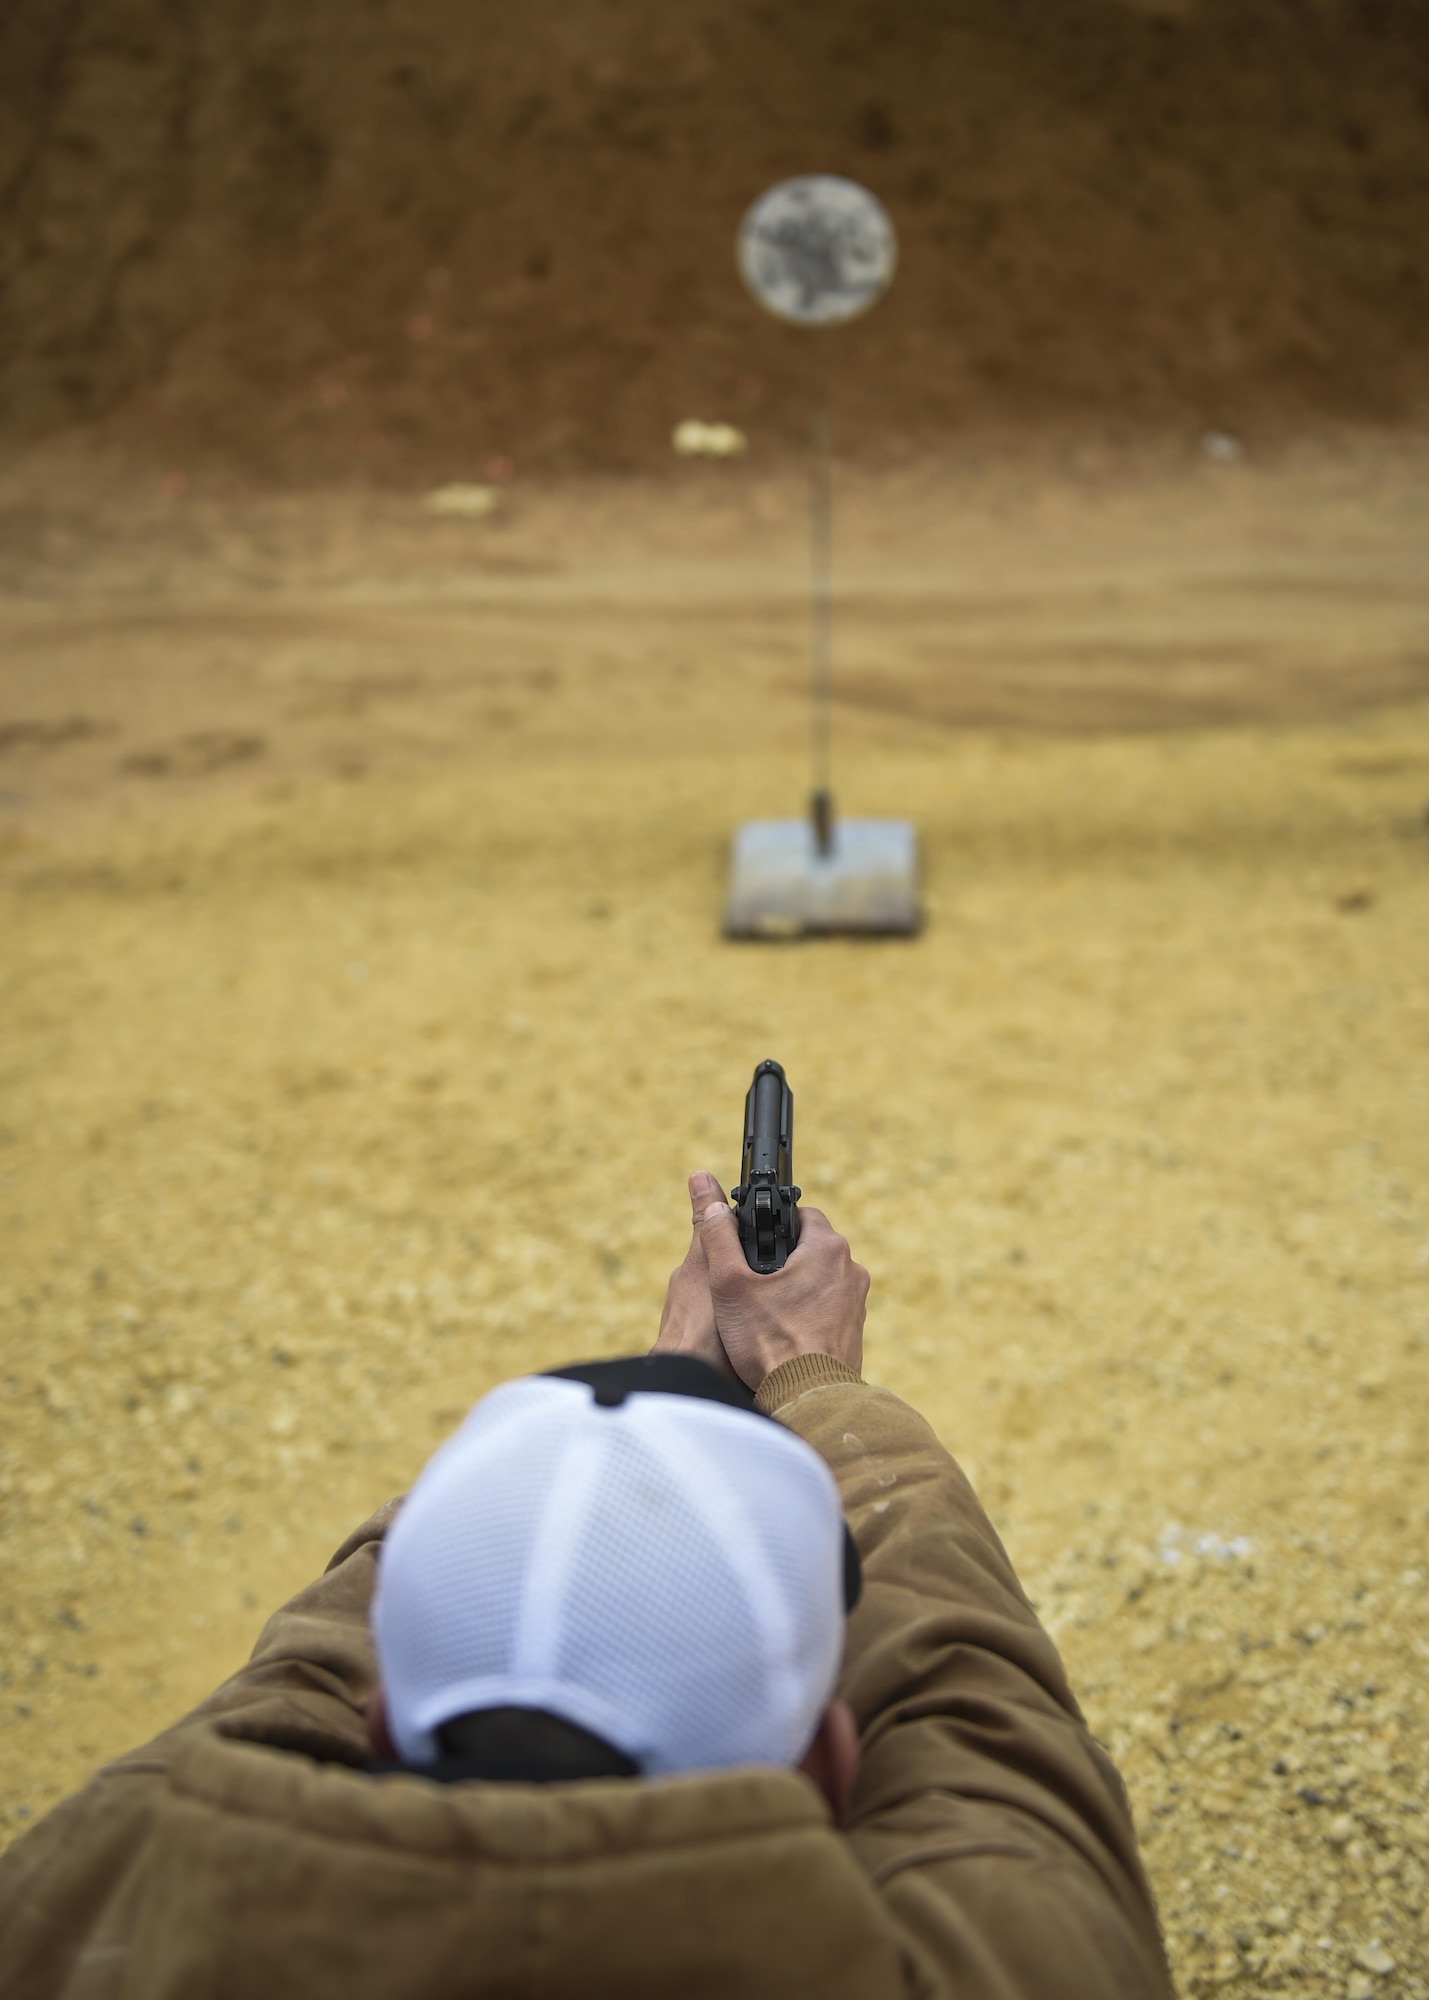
[[714, 1220], [705, 1194]]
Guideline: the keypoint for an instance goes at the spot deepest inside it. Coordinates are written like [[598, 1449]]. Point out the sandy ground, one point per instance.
[[364, 1005]]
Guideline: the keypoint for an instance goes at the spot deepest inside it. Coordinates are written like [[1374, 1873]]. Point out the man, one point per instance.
[[531, 1801]]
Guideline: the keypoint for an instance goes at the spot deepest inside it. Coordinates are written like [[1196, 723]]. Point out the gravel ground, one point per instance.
[[331, 1100]]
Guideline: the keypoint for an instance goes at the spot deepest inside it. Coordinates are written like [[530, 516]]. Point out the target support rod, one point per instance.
[[821, 534]]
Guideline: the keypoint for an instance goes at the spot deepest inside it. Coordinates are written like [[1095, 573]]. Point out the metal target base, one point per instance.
[[780, 886]]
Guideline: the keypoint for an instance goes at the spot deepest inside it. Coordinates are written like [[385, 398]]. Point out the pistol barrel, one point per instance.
[[768, 1124], [767, 1202]]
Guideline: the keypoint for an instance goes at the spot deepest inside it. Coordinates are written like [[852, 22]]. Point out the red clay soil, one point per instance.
[[357, 236]]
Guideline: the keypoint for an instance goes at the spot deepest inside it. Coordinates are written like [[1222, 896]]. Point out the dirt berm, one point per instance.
[[409, 237]]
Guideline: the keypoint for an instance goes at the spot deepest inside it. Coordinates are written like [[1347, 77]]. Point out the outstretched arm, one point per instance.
[[991, 1820]]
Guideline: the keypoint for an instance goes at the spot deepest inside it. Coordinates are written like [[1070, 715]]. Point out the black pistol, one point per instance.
[[766, 1203]]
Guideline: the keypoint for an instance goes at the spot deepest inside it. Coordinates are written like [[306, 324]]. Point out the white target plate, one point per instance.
[[817, 250]]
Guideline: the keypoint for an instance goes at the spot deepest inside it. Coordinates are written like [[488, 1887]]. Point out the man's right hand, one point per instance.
[[814, 1305]]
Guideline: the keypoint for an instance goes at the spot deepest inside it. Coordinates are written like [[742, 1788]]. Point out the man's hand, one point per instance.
[[687, 1325], [815, 1305]]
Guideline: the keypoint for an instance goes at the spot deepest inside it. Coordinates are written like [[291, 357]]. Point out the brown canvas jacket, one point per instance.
[[248, 1853]]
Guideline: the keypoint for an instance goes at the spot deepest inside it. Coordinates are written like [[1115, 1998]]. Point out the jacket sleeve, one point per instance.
[[66, 1887], [992, 1822]]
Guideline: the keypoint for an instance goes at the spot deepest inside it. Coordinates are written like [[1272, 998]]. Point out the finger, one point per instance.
[[694, 1272], [815, 1232], [716, 1229], [816, 1216], [705, 1192]]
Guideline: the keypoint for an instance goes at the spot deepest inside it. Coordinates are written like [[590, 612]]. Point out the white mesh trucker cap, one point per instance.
[[664, 1571]]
